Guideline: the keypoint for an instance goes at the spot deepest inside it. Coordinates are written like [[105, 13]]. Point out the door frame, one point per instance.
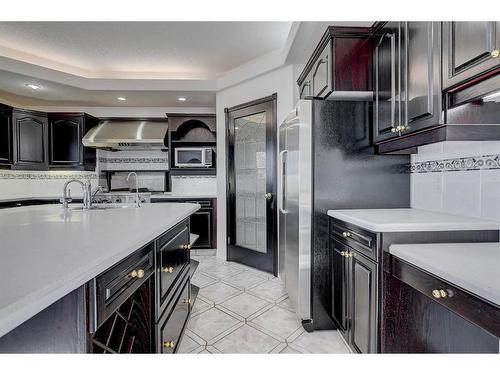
[[268, 103]]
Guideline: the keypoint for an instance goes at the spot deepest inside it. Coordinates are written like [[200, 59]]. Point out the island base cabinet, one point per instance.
[[171, 326], [414, 323]]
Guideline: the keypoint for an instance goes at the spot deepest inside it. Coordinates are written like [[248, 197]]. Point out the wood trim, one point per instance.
[[250, 104]]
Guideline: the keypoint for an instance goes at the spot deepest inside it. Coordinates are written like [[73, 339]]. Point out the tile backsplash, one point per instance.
[[194, 185], [30, 184], [457, 177]]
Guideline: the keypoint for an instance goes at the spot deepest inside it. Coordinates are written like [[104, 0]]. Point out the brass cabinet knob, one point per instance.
[[343, 253], [137, 273], [168, 269], [168, 344], [186, 247], [439, 293], [268, 196], [351, 254], [186, 301], [393, 130], [346, 234], [495, 53]]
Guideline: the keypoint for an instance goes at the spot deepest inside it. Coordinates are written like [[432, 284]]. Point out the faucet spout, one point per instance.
[[137, 200]]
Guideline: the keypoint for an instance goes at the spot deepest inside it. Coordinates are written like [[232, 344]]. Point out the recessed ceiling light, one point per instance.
[[33, 86], [181, 99], [121, 98]]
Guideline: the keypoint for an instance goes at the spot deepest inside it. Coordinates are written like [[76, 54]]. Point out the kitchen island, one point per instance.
[[49, 253]]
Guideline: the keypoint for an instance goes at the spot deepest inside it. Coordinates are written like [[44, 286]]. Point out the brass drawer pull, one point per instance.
[[346, 234], [495, 53], [168, 344], [185, 247], [186, 301], [440, 293], [168, 269], [137, 273]]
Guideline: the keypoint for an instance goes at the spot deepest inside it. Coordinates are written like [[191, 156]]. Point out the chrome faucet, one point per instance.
[[137, 200], [88, 194]]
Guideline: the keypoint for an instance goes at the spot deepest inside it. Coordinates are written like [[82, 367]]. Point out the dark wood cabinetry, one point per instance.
[[5, 135], [30, 140], [334, 66], [407, 61], [66, 131], [469, 50]]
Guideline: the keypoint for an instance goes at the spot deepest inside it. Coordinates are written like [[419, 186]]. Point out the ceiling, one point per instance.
[[175, 50], [151, 64]]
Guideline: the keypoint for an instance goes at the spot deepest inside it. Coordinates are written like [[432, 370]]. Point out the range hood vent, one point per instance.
[[123, 134]]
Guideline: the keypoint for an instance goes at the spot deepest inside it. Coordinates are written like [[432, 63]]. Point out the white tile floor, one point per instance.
[[243, 310]]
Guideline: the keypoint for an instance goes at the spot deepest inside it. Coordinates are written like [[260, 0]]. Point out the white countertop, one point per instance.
[[167, 196], [474, 267], [46, 252], [411, 220]]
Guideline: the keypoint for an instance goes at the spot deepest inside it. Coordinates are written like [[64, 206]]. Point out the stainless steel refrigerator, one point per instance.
[[327, 161]]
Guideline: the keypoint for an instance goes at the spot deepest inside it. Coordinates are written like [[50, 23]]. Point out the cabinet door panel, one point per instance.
[[422, 66], [31, 149], [65, 137], [340, 286], [5, 137], [322, 74], [467, 50], [387, 114], [363, 304]]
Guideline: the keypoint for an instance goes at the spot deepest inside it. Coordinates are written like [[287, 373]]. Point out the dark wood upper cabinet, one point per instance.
[[387, 113], [469, 50], [30, 140], [66, 131], [421, 67], [5, 135], [336, 63]]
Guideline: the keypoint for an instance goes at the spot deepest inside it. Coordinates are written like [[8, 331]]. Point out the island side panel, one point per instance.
[[60, 328]]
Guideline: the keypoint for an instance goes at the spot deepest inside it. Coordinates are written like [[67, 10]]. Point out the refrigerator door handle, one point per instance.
[[283, 187]]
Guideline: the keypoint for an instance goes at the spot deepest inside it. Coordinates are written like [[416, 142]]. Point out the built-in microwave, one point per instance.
[[193, 157]]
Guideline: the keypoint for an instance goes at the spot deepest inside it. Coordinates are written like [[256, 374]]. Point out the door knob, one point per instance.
[[268, 196]]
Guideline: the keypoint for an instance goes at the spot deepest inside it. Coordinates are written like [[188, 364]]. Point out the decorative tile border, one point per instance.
[[133, 160], [48, 175], [471, 163]]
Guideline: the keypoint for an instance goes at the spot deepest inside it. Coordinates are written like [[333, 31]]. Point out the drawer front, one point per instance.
[[322, 73], [116, 285], [466, 305], [172, 324], [359, 239], [172, 259]]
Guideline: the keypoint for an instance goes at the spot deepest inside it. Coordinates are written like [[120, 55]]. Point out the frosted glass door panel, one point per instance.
[[250, 176]]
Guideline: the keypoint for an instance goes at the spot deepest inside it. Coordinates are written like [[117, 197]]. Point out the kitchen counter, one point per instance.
[[167, 196], [471, 266], [411, 220], [47, 252]]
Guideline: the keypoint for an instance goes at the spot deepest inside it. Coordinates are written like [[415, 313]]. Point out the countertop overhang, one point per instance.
[[411, 220], [474, 267], [47, 252]]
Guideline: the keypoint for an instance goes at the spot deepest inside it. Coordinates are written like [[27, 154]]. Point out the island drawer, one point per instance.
[[171, 324], [358, 238], [172, 258], [465, 304], [112, 288]]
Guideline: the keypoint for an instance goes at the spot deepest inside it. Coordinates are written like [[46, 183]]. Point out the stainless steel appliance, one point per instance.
[[193, 157], [294, 203]]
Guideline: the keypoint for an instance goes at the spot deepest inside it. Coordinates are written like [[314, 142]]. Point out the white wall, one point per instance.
[[458, 177], [280, 81]]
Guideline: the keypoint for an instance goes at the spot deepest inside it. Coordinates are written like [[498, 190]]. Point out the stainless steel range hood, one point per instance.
[[123, 134]]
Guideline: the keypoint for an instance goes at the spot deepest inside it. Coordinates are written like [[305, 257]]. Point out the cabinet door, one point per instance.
[[65, 136], [340, 286], [421, 62], [363, 279], [30, 131], [172, 258], [321, 74], [387, 82], [5, 137], [467, 50], [201, 224]]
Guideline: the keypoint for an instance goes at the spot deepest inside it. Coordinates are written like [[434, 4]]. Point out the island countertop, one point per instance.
[[471, 266], [46, 251], [411, 220]]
